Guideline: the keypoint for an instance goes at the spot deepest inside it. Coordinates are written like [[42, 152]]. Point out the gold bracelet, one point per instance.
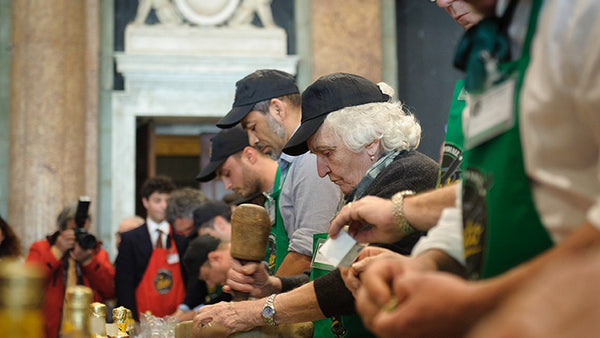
[[398, 211]]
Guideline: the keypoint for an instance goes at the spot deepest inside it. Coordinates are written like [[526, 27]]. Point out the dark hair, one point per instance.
[[263, 106], [183, 202], [231, 198], [206, 213], [11, 246], [160, 184]]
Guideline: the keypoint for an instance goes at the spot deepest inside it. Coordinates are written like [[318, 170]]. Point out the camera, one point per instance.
[[82, 237]]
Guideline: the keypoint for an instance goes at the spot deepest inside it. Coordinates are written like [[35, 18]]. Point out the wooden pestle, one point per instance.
[[250, 227]]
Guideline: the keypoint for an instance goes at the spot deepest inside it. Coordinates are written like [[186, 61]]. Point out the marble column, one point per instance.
[[48, 108], [346, 37]]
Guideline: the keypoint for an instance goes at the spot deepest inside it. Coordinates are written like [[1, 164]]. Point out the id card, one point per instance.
[[319, 261], [489, 114], [172, 258], [341, 251]]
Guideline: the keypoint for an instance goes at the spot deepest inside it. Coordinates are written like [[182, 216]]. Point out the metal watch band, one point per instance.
[[398, 211], [269, 304]]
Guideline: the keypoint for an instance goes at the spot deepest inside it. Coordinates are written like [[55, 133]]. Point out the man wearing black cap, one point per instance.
[[268, 105], [240, 167]]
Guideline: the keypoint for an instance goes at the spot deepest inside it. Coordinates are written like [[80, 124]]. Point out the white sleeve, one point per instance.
[[446, 235], [560, 124]]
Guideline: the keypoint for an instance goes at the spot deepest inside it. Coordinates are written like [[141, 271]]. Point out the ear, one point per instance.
[[220, 223], [213, 256], [145, 202], [250, 154], [277, 109], [372, 147]]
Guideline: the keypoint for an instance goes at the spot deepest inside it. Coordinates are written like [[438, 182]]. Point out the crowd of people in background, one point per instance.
[[506, 222]]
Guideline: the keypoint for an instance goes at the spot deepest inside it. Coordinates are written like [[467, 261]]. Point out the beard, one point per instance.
[[251, 182], [279, 131]]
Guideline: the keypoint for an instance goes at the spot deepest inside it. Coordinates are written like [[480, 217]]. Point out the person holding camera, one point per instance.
[[71, 255]]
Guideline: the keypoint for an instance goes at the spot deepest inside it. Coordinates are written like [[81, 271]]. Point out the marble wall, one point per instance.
[[52, 126], [346, 37]]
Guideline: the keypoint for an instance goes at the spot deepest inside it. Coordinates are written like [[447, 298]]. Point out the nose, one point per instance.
[[322, 168], [444, 3], [252, 139], [226, 183], [163, 204]]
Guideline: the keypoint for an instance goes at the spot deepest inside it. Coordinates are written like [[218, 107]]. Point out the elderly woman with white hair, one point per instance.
[[366, 145]]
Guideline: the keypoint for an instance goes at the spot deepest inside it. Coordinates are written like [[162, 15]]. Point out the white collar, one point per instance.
[[153, 226]]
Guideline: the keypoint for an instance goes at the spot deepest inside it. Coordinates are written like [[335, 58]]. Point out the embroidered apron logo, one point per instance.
[[450, 168], [475, 221], [271, 253], [163, 281]]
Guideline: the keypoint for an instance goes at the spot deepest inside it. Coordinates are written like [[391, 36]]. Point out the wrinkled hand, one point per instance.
[[370, 219], [351, 276], [65, 240], [233, 316], [251, 278], [398, 299], [83, 256]]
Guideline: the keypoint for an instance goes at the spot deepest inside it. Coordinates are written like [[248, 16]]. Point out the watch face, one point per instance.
[[268, 312]]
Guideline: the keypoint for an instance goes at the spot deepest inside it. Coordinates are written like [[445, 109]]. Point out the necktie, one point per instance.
[[159, 243]]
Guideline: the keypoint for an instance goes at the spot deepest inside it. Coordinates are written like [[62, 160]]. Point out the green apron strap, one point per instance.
[[501, 227], [278, 243], [452, 152]]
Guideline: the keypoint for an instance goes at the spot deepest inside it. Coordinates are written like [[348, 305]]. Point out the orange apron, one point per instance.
[[161, 289]]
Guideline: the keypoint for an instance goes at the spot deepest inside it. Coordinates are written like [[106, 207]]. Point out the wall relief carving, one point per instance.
[[232, 13]]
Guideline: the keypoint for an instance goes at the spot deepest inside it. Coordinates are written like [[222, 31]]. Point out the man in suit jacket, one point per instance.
[[149, 276]]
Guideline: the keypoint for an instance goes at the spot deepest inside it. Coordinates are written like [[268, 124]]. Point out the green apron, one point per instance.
[[277, 246], [501, 227], [343, 326], [452, 153]]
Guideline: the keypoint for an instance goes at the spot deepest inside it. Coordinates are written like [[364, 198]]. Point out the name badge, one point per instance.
[[270, 207], [173, 258], [341, 251], [488, 115], [319, 261]]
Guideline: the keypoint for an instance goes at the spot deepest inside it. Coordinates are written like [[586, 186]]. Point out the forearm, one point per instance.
[[288, 283], [45, 259], [298, 305], [422, 211], [583, 239], [438, 260], [293, 264], [101, 275]]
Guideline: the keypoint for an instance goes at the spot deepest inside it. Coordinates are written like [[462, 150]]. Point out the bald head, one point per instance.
[[127, 224]]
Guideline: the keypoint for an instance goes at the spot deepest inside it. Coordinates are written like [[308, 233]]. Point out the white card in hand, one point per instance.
[[342, 250]]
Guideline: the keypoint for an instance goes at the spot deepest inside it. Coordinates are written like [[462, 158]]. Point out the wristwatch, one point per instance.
[[398, 211], [268, 311]]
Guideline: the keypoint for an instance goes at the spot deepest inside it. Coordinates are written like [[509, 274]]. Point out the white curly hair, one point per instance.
[[390, 122]]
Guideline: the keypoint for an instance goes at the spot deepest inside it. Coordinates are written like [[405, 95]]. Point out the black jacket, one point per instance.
[[135, 250]]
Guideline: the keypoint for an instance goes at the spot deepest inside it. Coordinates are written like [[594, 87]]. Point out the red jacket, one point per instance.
[[99, 275]]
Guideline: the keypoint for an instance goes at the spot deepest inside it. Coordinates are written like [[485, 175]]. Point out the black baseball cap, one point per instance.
[[197, 253], [327, 94], [261, 85], [226, 143]]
